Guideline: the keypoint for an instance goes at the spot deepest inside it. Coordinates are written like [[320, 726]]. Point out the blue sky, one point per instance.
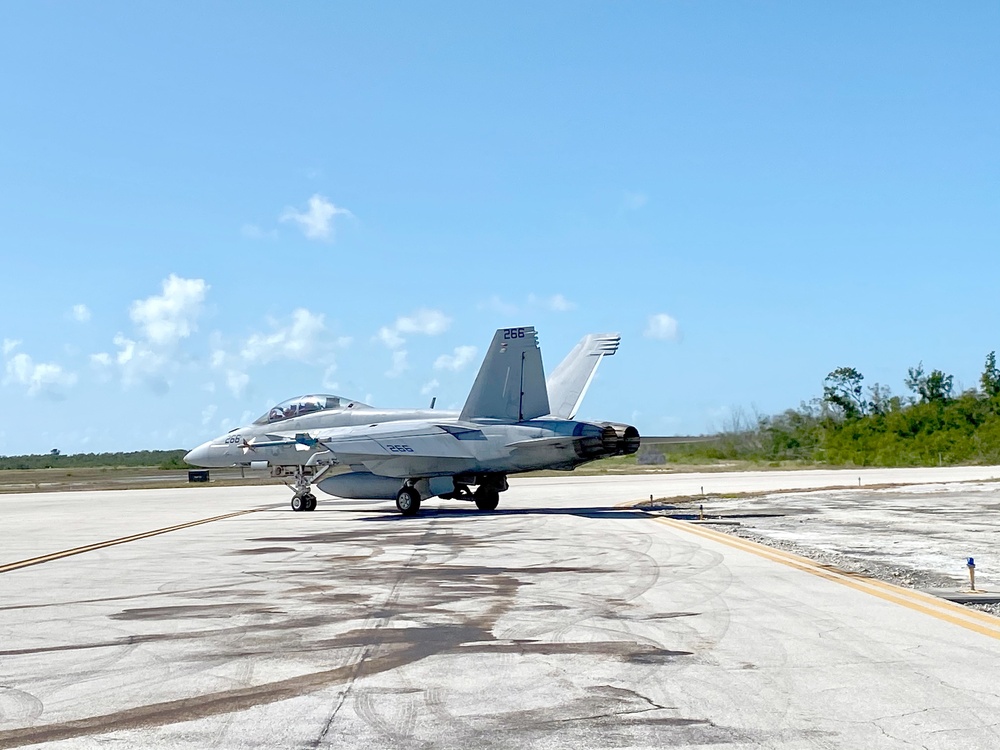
[[208, 208]]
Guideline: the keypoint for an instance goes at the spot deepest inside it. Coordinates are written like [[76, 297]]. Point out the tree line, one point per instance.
[[54, 459], [855, 424]]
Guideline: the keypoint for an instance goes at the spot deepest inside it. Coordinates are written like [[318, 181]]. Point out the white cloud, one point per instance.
[[101, 359], [208, 413], [399, 364], [662, 326], [139, 362], [633, 201], [533, 302], [461, 357], [44, 378], [317, 221], [237, 382], [559, 303], [10, 345], [254, 232], [328, 382], [424, 321], [299, 340], [429, 388], [498, 305], [304, 337], [390, 337], [167, 318], [80, 313]]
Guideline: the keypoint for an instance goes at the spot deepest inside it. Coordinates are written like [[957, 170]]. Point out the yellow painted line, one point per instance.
[[111, 542], [918, 601]]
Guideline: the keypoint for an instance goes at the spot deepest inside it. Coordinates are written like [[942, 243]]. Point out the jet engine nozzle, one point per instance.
[[626, 438]]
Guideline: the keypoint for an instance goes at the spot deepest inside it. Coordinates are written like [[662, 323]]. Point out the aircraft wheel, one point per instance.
[[408, 501], [298, 503], [310, 502], [487, 498]]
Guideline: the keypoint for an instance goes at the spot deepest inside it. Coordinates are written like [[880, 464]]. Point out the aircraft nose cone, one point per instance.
[[198, 456]]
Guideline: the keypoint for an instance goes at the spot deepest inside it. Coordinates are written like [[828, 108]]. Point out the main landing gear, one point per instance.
[[408, 501], [486, 496]]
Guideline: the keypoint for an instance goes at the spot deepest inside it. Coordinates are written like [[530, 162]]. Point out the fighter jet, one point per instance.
[[513, 421]]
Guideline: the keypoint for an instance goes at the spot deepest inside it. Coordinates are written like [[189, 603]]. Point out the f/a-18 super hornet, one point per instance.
[[513, 421]]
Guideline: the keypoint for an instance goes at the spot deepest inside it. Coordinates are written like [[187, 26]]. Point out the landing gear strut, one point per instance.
[[303, 499]]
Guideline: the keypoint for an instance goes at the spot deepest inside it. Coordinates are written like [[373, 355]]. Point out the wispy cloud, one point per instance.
[[10, 345], [303, 337], [424, 322], [498, 305], [663, 327], [316, 222], [532, 303], [559, 303], [298, 339], [41, 378], [80, 313], [254, 232], [634, 200], [237, 382], [429, 387], [399, 364], [457, 360]]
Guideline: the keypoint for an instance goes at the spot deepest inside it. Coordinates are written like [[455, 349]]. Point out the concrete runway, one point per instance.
[[557, 621]]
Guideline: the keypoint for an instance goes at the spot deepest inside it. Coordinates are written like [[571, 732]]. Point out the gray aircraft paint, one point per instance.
[[351, 449]]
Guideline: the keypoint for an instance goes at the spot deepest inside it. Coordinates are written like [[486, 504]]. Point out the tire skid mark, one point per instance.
[[213, 704]]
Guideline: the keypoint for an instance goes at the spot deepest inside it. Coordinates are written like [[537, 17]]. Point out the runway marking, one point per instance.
[[111, 542], [918, 601]]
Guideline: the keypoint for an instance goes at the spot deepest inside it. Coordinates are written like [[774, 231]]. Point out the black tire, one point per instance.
[[298, 503], [310, 502], [487, 498], [408, 501]]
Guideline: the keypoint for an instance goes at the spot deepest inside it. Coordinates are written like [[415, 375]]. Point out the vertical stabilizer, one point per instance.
[[511, 382], [568, 383]]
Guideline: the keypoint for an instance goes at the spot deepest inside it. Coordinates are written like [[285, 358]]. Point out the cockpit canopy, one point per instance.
[[301, 405]]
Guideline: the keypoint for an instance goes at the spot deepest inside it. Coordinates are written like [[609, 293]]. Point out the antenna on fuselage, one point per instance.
[[433, 401]]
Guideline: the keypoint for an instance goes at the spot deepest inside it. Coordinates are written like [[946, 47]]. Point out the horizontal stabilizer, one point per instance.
[[510, 385]]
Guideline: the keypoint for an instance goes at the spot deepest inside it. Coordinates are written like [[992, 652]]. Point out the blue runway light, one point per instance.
[[971, 563]]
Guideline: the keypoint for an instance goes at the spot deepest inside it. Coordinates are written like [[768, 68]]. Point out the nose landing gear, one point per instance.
[[304, 502]]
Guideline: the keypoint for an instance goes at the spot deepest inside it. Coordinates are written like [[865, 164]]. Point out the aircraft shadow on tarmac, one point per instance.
[[584, 512], [379, 514]]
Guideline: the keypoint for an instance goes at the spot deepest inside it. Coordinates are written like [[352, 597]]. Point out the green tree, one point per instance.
[[881, 400], [843, 390], [933, 388], [990, 379]]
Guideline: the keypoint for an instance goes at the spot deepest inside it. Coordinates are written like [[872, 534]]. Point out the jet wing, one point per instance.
[[394, 449]]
